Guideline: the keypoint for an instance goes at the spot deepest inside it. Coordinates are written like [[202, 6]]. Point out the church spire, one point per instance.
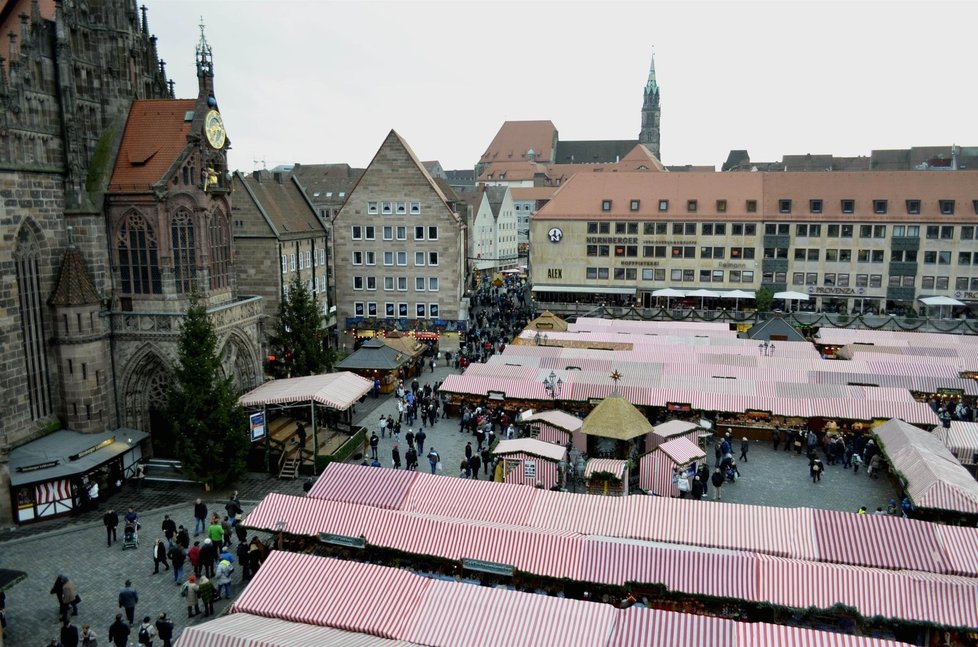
[[205, 57], [649, 135]]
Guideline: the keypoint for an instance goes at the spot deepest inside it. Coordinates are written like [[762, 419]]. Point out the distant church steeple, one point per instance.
[[649, 135], [205, 65]]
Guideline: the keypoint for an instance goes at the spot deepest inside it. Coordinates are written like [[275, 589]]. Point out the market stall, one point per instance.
[[375, 360], [527, 461], [48, 476], [672, 430], [961, 438], [615, 428], [556, 426], [664, 470], [606, 476], [247, 630]]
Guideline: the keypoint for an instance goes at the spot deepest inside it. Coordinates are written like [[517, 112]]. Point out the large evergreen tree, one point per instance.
[[299, 340], [209, 425]]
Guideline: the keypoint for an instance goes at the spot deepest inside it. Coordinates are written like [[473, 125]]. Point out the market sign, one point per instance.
[[753, 413], [950, 391], [529, 469], [342, 540], [257, 424], [487, 567], [678, 406], [92, 449], [37, 466]]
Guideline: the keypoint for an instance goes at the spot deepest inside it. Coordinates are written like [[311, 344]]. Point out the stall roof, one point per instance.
[[961, 439], [531, 446], [69, 453], [615, 417], [379, 488], [610, 465], [934, 477], [681, 450], [557, 418], [246, 630], [336, 390], [375, 355], [674, 428]]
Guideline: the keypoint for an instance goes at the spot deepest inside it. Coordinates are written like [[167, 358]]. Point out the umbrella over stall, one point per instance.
[[940, 302], [667, 293], [737, 295], [702, 293], [791, 295]]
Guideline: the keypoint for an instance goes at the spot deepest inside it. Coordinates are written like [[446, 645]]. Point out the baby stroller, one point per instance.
[[130, 535]]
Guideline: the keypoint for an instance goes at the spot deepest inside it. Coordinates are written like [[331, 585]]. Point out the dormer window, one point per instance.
[[663, 205], [606, 205], [634, 205]]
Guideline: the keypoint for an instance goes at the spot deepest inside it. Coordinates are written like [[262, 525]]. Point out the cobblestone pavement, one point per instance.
[[76, 546], [782, 479]]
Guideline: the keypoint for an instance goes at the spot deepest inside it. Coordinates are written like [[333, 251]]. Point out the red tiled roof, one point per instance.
[[515, 138], [156, 133]]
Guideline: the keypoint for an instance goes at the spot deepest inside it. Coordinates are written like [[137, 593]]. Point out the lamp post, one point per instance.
[[553, 385], [766, 348]]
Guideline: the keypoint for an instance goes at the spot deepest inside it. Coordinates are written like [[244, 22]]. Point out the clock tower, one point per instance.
[[649, 135]]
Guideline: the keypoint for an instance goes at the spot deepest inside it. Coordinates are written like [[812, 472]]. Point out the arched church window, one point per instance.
[[184, 250], [139, 267], [27, 257], [220, 251]]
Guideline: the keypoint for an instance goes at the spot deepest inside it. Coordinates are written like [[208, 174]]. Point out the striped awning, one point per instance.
[[641, 627], [380, 488], [246, 630], [610, 465], [961, 439], [469, 499], [681, 451], [335, 390], [881, 541], [528, 469], [322, 595]]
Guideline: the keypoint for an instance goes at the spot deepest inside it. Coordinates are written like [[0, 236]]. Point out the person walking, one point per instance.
[[419, 438], [374, 443], [200, 517], [164, 629], [128, 599], [396, 457], [233, 508], [190, 590], [119, 632], [207, 594], [159, 556], [111, 522], [815, 469], [88, 636], [222, 579], [474, 464], [146, 632], [177, 558], [717, 481], [208, 556], [169, 529], [486, 460], [776, 436], [69, 634], [433, 460], [744, 446]]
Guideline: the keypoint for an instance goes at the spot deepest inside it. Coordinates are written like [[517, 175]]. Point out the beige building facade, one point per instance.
[[853, 241], [398, 244]]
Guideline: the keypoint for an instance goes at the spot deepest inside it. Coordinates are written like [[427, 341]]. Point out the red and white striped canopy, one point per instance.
[[681, 451], [881, 541], [762, 634], [610, 465], [469, 499], [246, 630], [336, 390], [380, 488], [641, 627], [316, 591], [462, 615]]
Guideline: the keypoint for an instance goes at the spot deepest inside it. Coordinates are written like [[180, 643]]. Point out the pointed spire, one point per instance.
[[145, 26], [205, 56], [651, 87]]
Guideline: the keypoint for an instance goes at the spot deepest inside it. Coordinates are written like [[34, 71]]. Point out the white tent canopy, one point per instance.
[[668, 292], [738, 294], [336, 390], [791, 296], [940, 301]]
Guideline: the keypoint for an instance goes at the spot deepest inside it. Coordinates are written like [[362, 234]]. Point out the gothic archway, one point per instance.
[[145, 403], [238, 363]]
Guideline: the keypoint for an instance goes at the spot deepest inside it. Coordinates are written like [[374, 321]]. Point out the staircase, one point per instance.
[[290, 469]]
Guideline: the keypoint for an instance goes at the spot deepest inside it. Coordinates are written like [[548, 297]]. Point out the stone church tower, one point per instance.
[[649, 135]]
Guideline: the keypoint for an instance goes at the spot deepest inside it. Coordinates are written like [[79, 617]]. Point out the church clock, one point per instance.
[[214, 129]]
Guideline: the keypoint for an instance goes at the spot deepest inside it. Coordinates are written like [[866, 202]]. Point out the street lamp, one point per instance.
[[553, 384], [766, 348]]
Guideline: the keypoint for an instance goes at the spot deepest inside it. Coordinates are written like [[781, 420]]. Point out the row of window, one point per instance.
[[306, 260], [876, 280], [395, 310], [676, 275], [786, 205], [319, 285], [392, 208], [802, 230], [674, 251], [397, 283], [369, 232], [394, 257]]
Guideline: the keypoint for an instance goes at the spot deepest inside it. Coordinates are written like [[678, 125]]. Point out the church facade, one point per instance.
[[114, 213]]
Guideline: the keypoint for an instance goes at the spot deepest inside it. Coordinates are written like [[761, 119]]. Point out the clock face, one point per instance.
[[214, 129]]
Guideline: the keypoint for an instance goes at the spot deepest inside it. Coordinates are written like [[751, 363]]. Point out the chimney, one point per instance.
[[277, 177], [257, 175]]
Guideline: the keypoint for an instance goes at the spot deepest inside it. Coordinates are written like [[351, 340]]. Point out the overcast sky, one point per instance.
[[324, 81]]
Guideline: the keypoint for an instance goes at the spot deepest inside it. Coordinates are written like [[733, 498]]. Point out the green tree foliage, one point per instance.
[[209, 425], [764, 298], [298, 342]]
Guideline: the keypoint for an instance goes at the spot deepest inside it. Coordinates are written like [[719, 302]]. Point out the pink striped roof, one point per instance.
[[469, 499], [640, 627], [276, 592], [610, 465], [961, 439], [462, 615], [762, 634], [688, 570], [545, 472], [675, 428], [549, 434], [681, 451], [532, 447], [558, 418], [380, 488], [879, 541], [336, 390], [944, 601], [959, 547], [246, 630]]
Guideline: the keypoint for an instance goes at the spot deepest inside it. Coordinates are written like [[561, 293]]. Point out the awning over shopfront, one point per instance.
[[584, 289], [246, 630], [336, 390], [65, 454]]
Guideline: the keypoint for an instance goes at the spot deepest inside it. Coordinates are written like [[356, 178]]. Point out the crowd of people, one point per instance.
[[203, 567]]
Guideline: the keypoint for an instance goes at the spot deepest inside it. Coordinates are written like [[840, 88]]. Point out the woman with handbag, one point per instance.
[[88, 637]]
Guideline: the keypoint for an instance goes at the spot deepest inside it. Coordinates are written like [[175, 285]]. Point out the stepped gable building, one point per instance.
[[853, 241], [399, 246], [114, 210], [278, 229]]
